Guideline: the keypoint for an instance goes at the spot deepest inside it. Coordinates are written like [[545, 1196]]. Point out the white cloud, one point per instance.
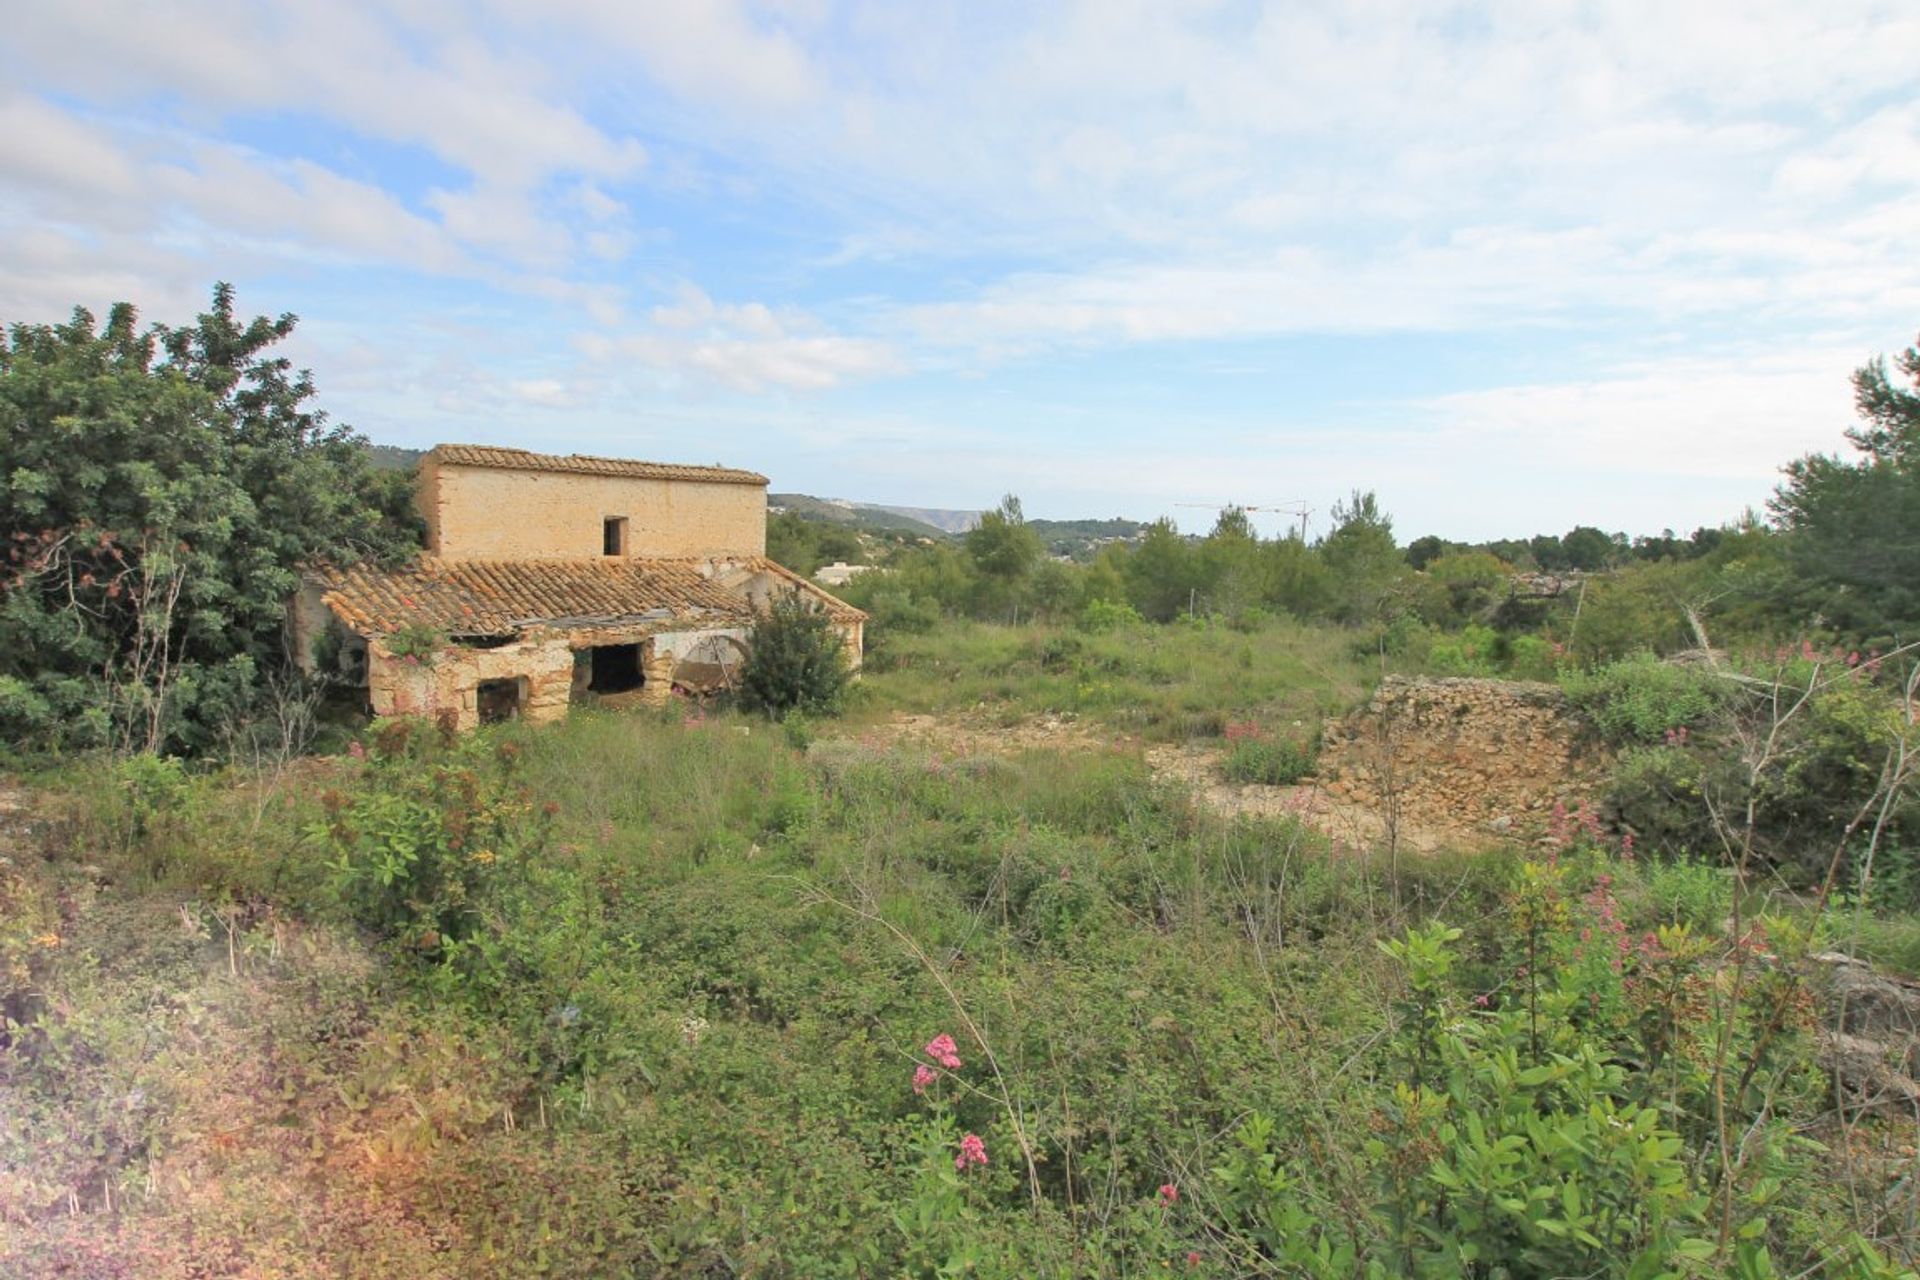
[[745, 346]]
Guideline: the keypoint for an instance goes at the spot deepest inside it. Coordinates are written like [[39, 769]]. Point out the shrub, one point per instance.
[[1640, 698], [416, 847], [1532, 658], [1469, 653], [795, 661], [1108, 615], [1659, 793], [1255, 756]]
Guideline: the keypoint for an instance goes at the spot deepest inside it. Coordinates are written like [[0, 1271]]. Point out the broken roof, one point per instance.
[[502, 597], [490, 456]]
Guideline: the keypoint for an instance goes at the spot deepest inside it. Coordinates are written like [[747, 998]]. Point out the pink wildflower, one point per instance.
[[943, 1051], [1169, 1194], [972, 1151], [357, 750], [1193, 1257], [923, 1075]]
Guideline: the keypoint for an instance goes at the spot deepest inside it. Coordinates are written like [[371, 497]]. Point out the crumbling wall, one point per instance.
[[447, 682], [1464, 756]]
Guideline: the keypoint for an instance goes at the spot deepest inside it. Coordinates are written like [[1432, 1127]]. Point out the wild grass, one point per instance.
[[1164, 683], [683, 1041]]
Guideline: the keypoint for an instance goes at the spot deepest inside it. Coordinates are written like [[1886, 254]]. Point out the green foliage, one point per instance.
[[416, 641], [1473, 580], [796, 661], [1108, 615], [804, 545], [1469, 652], [162, 489], [1640, 699], [1363, 563], [414, 848], [1854, 527], [1256, 756]]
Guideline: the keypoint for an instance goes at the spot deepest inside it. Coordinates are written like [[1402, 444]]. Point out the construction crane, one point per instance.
[[1298, 510]]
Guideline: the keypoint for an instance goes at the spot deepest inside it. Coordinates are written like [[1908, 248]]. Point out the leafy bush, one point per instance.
[[1256, 756], [1108, 615], [1640, 698], [1531, 657], [416, 846], [1469, 652], [796, 661], [1659, 792]]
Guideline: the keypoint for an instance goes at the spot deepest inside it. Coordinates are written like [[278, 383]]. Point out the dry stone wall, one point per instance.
[[1463, 756]]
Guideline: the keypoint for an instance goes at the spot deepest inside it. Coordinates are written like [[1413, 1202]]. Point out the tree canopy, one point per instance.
[[1854, 525], [159, 490]]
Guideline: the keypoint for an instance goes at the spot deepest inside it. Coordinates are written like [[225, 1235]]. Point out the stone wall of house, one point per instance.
[[447, 682], [1463, 756], [482, 513]]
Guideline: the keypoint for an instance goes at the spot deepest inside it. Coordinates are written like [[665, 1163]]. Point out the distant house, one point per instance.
[[840, 573], [548, 580]]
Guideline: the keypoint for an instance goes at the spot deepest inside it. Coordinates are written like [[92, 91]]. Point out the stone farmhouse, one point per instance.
[[553, 580]]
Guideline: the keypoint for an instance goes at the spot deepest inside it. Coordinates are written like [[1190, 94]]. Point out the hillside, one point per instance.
[[855, 515]]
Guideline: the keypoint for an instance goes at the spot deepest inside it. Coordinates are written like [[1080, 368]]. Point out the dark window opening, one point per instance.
[[616, 668], [486, 642], [501, 700], [613, 535]]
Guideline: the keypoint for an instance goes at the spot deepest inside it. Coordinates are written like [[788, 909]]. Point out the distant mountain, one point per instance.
[[390, 457], [943, 520], [854, 514]]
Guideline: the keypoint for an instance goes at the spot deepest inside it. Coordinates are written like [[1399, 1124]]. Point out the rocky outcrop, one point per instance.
[[1467, 756], [1872, 1040]]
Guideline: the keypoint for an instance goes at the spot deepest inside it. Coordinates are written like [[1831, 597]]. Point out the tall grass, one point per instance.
[[1166, 683]]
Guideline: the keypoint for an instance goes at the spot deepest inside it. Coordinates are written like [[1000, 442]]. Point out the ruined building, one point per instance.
[[551, 580]]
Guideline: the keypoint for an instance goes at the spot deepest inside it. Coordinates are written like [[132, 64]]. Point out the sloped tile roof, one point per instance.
[[502, 597], [482, 455]]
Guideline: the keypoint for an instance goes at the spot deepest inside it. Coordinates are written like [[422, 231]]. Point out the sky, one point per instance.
[[1514, 265]]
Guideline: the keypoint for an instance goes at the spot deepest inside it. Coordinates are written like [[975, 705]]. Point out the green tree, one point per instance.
[[1231, 565], [1423, 551], [159, 490], [1163, 573], [1588, 548], [1004, 552], [1361, 558], [796, 661], [1854, 526]]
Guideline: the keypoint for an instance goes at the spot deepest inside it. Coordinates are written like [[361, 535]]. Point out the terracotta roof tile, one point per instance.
[[502, 597], [481, 455]]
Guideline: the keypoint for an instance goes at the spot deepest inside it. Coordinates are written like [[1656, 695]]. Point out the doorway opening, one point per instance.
[[616, 668]]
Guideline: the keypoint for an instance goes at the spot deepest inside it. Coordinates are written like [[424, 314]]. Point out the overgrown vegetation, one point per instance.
[[159, 489], [716, 1005], [690, 994], [796, 661]]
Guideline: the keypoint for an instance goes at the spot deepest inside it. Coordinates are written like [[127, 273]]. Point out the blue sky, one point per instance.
[[1512, 265]]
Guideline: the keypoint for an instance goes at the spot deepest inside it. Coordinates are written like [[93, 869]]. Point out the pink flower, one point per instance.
[[943, 1051], [357, 750], [923, 1075], [1169, 1194], [972, 1151], [1193, 1257]]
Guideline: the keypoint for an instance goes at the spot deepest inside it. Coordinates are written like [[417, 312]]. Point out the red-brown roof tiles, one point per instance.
[[490, 456], [493, 597]]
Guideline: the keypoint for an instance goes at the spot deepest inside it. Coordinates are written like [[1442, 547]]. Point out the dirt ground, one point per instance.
[[1195, 765]]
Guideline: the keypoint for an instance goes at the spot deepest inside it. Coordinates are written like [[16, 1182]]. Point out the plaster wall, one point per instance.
[[482, 513]]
